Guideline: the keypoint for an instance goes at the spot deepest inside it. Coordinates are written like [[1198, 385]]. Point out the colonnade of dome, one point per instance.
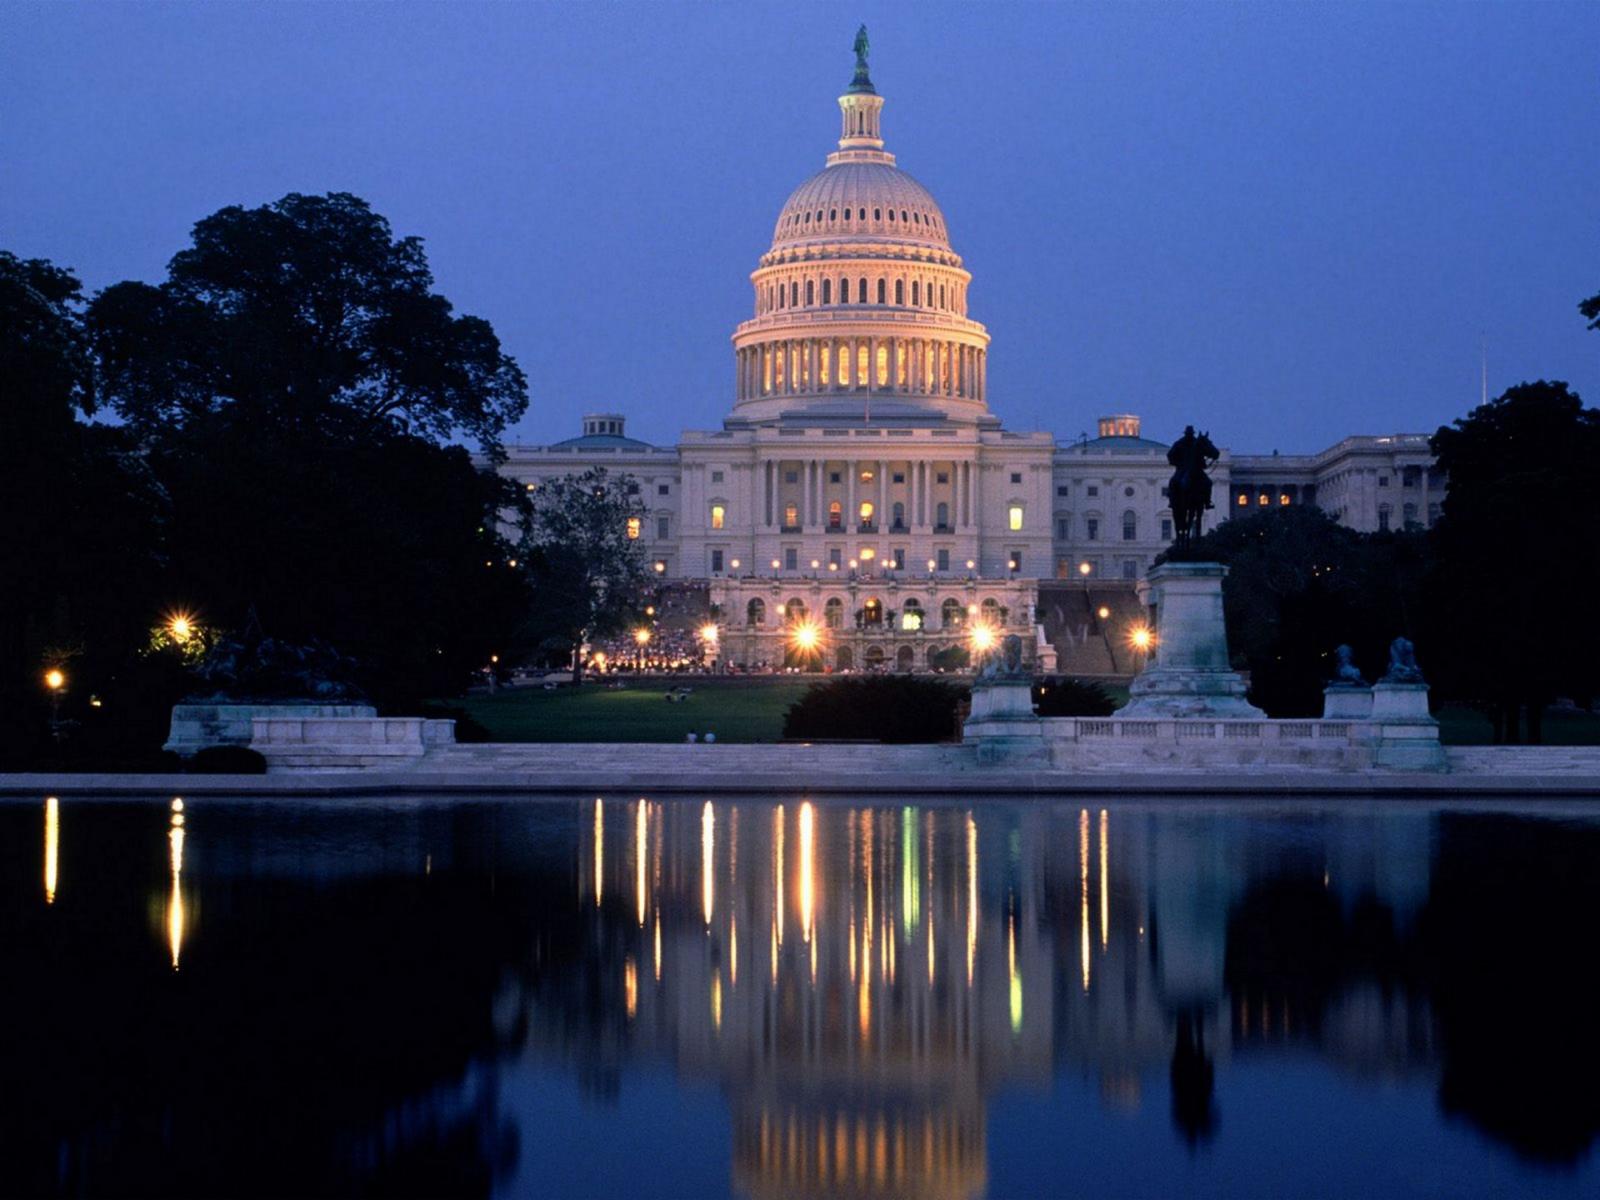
[[860, 293]]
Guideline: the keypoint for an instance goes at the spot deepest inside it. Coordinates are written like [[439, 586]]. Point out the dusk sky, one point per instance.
[[1288, 222]]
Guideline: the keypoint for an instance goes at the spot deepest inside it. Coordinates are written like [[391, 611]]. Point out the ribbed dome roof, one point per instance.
[[851, 200]]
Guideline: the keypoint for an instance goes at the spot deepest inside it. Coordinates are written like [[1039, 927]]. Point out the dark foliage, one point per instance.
[[1072, 698], [468, 727], [227, 760], [1298, 586], [885, 708], [84, 520], [1519, 531], [952, 658], [308, 315]]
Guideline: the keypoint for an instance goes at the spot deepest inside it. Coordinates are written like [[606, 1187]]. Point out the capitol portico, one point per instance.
[[861, 481]]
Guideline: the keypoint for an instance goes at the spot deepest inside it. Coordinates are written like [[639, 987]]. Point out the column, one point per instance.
[[983, 374], [851, 470], [872, 364], [883, 494]]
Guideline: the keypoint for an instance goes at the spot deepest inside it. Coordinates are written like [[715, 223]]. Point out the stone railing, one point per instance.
[[1190, 731]]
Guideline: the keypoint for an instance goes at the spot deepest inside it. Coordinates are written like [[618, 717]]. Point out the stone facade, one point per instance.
[[861, 454]]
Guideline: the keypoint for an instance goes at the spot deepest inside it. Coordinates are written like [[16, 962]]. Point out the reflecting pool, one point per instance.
[[625, 996]]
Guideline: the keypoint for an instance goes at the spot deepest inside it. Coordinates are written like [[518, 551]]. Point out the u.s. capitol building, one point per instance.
[[863, 481]]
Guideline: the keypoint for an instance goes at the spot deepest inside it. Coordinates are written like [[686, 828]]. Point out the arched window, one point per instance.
[[866, 511], [862, 215], [899, 511], [941, 295], [941, 516], [795, 611], [833, 214], [835, 515], [861, 291], [990, 610], [902, 214], [900, 291], [827, 291], [780, 296], [1014, 518], [794, 293], [881, 291], [951, 614], [1130, 526], [844, 291], [833, 613], [755, 613], [810, 293], [877, 214], [891, 214], [911, 614], [847, 214], [872, 612], [916, 294]]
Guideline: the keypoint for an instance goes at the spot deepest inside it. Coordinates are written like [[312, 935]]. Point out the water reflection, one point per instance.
[[376, 993]]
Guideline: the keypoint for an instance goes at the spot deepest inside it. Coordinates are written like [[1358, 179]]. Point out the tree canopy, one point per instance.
[[589, 576], [309, 314], [1515, 557]]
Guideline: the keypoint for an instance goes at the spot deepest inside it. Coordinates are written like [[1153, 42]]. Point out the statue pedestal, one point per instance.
[[1003, 724], [1405, 735], [1188, 673], [1342, 702], [196, 725]]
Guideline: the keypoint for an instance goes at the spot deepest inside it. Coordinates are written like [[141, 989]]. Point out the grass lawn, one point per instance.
[[737, 710]]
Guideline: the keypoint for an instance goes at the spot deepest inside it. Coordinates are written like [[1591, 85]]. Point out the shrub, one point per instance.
[[1072, 698], [952, 658], [468, 727], [227, 760], [884, 708]]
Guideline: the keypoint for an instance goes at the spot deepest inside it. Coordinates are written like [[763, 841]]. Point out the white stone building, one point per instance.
[[861, 481]]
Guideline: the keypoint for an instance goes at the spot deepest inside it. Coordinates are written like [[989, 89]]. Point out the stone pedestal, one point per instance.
[[220, 723], [1342, 702], [1405, 735], [1188, 673], [1003, 724]]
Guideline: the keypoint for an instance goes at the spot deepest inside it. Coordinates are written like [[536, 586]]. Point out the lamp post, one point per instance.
[[641, 639], [55, 680]]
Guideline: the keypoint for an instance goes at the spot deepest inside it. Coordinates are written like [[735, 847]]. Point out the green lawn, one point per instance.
[[737, 710]]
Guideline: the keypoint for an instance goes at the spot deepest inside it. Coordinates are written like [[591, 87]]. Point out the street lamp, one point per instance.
[[661, 567], [56, 680], [805, 639], [641, 638], [734, 564], [1084, 568], [1103, 612]]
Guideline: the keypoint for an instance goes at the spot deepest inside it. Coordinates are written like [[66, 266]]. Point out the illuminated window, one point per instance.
[[911, 615], [1263, 499], [900, 365], [1014, 518], [718, 514], [633, 528], [791, 516], [833, 612], [825, 351], [883, 359], [866, 512], [835, 514], [1243, 500], [844, 364], [861, 351], [1283, 497], [867, 554]]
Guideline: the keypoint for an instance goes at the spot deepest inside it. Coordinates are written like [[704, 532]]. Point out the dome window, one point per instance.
[[833, 214], [891, 214], [916, 218], [877, 214], [819, 216], [847, 215], [827, 291], [902, 214], [900, 292], [881, 291], [808, 219], [862, 215]]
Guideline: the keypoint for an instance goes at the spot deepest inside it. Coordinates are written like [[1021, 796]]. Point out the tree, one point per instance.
[[292, 383], [81, 539], [1514, 552], [304, 313], [588, 573], [1298, 585]]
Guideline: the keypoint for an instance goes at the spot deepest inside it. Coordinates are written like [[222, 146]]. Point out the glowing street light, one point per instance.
[[181, 626], [1103, 612], [1084, 568], [775, 564], [982, 637], [55, 680], [1141, 639], [734, 564], [806, 637], [661, 567], [641, 636]]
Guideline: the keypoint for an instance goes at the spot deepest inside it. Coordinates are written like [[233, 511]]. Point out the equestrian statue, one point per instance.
[[1189, 491]]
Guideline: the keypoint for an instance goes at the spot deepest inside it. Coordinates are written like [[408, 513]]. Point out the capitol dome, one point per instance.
[[861, 296]]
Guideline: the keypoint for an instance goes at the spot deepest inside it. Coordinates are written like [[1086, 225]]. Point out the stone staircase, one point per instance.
[[1086, 646]]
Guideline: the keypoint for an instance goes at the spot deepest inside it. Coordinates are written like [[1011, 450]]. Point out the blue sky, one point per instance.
[[1286, 222]]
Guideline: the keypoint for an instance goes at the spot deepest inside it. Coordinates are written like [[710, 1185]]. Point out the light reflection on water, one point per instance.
[[1004, 999]]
